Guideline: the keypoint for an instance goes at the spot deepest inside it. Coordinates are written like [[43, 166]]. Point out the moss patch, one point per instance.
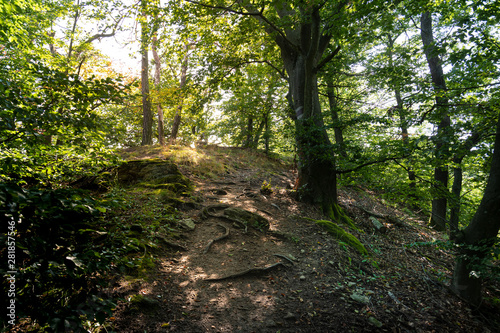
[[154, 174], [168, 196], [140, 303], [343, 235], [336, 213]]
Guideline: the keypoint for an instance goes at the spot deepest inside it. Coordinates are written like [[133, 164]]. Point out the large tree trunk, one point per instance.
[[441, 153], [301, 53], [147, 115], [161, 132], [317, 180], [480, 234]]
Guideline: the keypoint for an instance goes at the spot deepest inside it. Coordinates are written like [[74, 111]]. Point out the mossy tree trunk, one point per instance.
[[317, 176]]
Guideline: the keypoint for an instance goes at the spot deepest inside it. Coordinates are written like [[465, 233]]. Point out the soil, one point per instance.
[[322, 285]]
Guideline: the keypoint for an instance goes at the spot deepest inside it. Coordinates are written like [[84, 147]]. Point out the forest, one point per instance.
[[361, 135]]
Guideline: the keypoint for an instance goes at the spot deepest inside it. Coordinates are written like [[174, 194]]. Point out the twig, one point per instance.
[[218, 238], [248, 271]]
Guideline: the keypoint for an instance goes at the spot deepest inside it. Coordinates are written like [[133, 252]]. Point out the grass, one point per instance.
[[211, 161]]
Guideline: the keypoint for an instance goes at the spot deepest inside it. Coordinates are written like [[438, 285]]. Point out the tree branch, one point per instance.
[[12, 137], [256, 13], [281, 73], [327, 59], [391, 158], [102, 34]]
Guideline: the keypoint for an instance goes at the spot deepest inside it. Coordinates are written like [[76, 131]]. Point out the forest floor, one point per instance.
[[294, 277]]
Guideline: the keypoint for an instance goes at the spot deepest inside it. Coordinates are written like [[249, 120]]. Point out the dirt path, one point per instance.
[[323, 286]]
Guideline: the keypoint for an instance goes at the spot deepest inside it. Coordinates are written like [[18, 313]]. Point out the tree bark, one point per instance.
[[481, 233], [258, 133], [267, 133], [248, 133], [337, 129], [404, 137], [177, 118], [456, 188], [147, 115], [161, 132], [302, 48], [441, 153], [301, 53]]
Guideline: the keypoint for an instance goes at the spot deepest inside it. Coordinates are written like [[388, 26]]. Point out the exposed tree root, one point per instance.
[[226, 233], [336, 213], [209, 211], [242, 218], [284, 257], [248, 271], [172, 244], [342, 235]]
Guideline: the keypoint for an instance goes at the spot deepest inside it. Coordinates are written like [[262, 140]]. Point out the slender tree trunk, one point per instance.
[[147, 115], [480, 234], [334, 108], [248, 133], [73, 29], [258, 134], [402, 117], [47, 138], [161, 132], [267, 132], [177, 118], [456, 188], [404, 137], [441, 153]]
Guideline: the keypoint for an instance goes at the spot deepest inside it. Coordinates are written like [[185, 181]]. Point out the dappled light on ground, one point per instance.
[[232, 276]]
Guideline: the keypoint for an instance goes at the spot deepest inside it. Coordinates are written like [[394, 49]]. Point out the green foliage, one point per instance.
[[68, 242], [41, 106], [254, 109], [266, 187], [483, 257], [61, 254]]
